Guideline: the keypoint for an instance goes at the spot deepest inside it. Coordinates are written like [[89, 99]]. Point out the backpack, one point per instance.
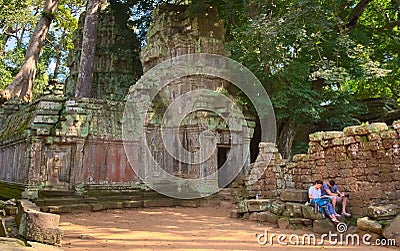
[[320, 204]]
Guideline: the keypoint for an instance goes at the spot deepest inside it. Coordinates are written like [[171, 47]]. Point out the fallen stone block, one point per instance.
[[38, 226], [392, 230], [294, 195], [41, 227], [369, 225], [383, 212]]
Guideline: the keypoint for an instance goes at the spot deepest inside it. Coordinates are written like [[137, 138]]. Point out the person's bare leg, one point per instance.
[[334, 204], [344, 203]]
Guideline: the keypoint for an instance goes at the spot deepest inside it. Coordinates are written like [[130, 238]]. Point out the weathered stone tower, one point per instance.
[[175, 32], [117, 64]]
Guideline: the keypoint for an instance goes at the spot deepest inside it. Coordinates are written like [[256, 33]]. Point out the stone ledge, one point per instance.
[[383, 212], [294, 195]]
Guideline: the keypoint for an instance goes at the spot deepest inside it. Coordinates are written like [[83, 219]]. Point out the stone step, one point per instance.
[[59, 209], [118, 198], [55, 193], [66, 200]]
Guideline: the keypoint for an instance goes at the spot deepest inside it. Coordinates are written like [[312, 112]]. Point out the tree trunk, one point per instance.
[[59, 54], [22, 85], [286, 134], [85, 75]]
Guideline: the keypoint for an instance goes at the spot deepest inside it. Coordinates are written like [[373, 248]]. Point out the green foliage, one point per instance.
[[312, 66]]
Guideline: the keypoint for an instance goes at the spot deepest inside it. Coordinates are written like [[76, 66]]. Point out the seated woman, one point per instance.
[[314, 192]]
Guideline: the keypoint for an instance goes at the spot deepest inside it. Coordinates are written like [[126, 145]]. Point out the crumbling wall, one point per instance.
[[56, 142], [363, 160]]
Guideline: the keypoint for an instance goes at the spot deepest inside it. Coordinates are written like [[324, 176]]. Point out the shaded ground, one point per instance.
[[11, 244], [205, 228]]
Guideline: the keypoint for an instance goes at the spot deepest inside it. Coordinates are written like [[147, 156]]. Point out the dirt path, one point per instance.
[[205, 228]]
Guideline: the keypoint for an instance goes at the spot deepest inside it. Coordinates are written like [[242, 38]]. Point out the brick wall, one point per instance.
[[363, 160]]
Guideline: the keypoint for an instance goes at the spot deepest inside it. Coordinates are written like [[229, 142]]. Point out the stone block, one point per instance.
[[40, 227], [96, 206], [267, 217], [300, 157], [43, 119], [283, 223], [112, 204], [355, 130], [187, 203], [43, 131], [392, 230], [293, 210], [277, 207], [323, 226], [235, 214], [383, 212], [243, 206], [253, 216], [49, 105], [316, 136], [309, 213], [389, 134], [259, 205], [378, 127], [158, 203], [294, 195], [396, 124], [369, 225], [332, 135], [11, 210], [225, 204]]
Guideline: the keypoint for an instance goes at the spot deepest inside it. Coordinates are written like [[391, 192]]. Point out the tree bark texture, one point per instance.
[[85, 75], [286, 134], [22, 85]]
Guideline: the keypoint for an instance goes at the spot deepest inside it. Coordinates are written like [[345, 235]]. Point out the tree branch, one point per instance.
[[357, 12], [389, 25]]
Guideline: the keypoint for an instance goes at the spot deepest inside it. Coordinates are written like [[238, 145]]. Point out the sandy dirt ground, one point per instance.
[[177, 228]]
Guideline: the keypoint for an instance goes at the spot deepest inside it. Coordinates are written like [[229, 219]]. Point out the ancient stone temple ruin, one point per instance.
[[89, 148], [60, 143]]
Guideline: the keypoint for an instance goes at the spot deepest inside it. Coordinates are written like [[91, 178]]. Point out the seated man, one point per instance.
[[330, 189], [314, 193]]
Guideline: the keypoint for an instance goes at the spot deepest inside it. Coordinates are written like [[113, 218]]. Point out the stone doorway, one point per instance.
[[222, 156]]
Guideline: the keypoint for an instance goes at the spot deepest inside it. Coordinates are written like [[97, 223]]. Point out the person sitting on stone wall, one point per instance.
[[314, 193], [330, 189]]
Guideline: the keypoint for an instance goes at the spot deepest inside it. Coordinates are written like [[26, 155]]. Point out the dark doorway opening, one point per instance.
[[255, 141], [223, 152]]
